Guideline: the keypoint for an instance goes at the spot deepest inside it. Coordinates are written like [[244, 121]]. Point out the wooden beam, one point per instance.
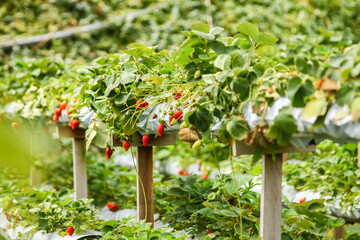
[[240, 148], [145, 203], [66, 132], [270, 207], [136, 140], [339, 232]]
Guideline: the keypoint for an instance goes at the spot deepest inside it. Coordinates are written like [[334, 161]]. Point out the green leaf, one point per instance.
[[201, 27], [283, 128], [249, 30], [299, 92], [302, 65], [315, 108], [266, 39], [223, 62], [126, 78], [237, 128], [337, 222], [345, 95], [200, 118]]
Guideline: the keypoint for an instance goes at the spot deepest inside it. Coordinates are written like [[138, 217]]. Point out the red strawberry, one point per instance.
[[58, 112], [160, 129], [210, 232], [75, 124], [138, 104], [178, 95], [71, 123], [154, 116], [204, 176], [70, 231], [117, 139], [126, 145], [181, 171], [185, 173], [302, 200], [54, 118], [62, 105], [145, 104], [109, 152], [145, 140], [178, 115], [112, 207]]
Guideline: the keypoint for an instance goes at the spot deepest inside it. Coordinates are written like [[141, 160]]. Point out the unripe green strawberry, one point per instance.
[[173, 122], [197, 74], [184, 125], [197, 144], [117, 90]]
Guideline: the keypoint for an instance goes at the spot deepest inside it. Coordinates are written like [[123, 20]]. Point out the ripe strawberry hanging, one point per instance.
[[178, 115], [75, 124], [117, 139], [71, 123], [204, 176], [139, 104], [181, 171], [62, 105], [112, 207], [178, 95], [160, 129], [109, 152], [57, 112], [54, 118], [185, 174], [145, 140], [154, 116], [302, 200], [126, 145], [70, 231]]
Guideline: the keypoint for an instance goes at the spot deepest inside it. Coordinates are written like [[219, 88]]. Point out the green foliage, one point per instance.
[[126, 229], [332, 171]]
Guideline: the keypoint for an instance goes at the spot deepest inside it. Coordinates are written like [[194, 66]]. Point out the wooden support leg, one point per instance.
[[145, 168], [35, 176], [339, 232], [270, 208], [80, 175]]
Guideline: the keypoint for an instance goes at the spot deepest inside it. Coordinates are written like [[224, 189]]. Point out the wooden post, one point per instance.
[[79, 161], [145, 203], [270, 208], [144, 156], [35, 175], [339, 232]]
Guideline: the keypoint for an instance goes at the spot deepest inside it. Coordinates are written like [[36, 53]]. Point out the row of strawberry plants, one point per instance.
[[208, 79]]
